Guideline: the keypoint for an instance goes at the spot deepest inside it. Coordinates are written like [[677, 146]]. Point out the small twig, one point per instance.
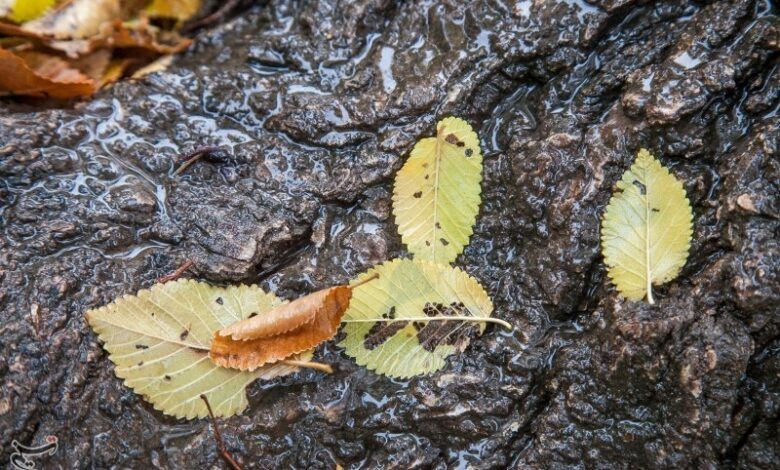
[[368, 279], [194, 156], [176, 274], [503, 323], [308, 364], [215, 17], [220, 443]]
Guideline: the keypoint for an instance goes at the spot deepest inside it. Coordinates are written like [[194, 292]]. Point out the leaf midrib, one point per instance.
[[437, 166], [198, 347]]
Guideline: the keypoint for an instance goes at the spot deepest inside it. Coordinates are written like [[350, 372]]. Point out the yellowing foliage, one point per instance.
[[647, 227]]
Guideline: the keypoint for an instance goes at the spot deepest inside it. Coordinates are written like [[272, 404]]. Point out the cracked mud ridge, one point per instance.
[[317, 104]]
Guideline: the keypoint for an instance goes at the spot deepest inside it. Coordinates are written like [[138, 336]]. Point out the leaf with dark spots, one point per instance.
[[437, 192], [433, 334], [165, 355], [381, 332], [395, 325], [641, 186], [642, 245], [453, 139]]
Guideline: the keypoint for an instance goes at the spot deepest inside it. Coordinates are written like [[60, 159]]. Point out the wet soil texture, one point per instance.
[[316, 105]]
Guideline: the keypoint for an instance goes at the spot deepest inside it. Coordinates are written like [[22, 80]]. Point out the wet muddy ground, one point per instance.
[[318, 103]]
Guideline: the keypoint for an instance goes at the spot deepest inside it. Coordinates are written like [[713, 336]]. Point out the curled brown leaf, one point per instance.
[[285, 330]]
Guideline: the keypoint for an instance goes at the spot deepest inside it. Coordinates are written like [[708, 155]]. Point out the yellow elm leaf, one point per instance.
[[159, 342], [377, 335], [646, 230], [180, 10], [20, 11], [437, 192]]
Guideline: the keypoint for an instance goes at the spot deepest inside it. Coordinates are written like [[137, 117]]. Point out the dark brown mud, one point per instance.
[[317, 103]]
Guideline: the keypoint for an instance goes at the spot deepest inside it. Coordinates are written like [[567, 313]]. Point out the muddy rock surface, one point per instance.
[[317, 104]]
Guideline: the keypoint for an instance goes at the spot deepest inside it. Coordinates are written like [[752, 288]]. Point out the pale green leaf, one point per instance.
[[437, 192], [415, 290], [159, 341], [647, 227]]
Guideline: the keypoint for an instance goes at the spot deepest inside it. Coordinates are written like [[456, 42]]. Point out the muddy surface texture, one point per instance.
[[317, 104]]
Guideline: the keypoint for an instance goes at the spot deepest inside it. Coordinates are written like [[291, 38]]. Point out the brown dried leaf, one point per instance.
[[285, 330], [93, 65], [36, 74], [141, 34]]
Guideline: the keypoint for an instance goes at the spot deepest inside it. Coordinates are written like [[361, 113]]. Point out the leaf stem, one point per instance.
[[364, 281], [498, 321], [311, 365]]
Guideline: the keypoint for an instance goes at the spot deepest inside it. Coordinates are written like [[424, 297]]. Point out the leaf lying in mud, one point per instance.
[[390, 327], [181, 10], [20, 11], [437, 192], [647, 227], [36, 74], [159, 341], [285, 330]]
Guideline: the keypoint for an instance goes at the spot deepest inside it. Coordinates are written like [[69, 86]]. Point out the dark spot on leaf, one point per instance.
[[141, 346], [427, 243], [425, 165], [219, 300], [184, 335], [390, 313], [655, 210], [469, 152], [167, 377], [427, 176], [438, 225], [434, 333], [152, 313], [453, 139], [444, 242], [418, 194], [140, 363], [382, 331], [642, 188], [253, 314]]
